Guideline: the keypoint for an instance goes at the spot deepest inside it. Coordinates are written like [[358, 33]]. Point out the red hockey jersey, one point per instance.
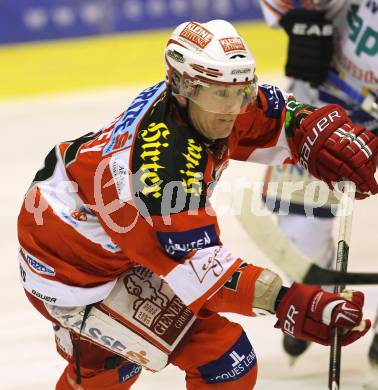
[[137, 192]]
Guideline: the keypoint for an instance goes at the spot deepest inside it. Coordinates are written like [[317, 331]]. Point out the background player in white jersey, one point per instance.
[[332, 58], [120, 247]]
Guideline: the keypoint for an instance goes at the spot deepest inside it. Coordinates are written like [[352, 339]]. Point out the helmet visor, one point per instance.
[[220, 98]]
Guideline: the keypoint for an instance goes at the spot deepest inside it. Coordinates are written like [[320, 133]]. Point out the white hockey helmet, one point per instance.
[[213, 58]]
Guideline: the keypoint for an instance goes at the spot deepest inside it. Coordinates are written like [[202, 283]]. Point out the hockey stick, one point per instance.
[[278, 248], [345, 228], [368, 103]]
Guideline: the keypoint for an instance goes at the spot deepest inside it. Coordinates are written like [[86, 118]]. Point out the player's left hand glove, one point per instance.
[[332, 148], [309, 54], [308, 312]]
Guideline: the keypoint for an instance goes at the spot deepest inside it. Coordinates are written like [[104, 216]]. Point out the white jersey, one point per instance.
[[356, 45]]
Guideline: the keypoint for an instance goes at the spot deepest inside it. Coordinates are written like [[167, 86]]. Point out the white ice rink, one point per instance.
[[28, 361]]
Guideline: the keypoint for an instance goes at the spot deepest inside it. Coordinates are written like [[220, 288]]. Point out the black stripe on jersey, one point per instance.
[[71, 152], [48, 167], [168, 165]]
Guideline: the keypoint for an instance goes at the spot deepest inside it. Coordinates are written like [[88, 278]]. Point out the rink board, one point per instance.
[[120, 59]]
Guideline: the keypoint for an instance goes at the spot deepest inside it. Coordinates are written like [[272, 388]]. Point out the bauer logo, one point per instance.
[[232, 365], [178, 244], [196, 34], [241, 71], [176, 56], [232, 44], [39, 266], [43, 297]]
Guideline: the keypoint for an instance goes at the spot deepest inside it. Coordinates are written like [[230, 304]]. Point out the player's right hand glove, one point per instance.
[[308, 313], [310, 45]]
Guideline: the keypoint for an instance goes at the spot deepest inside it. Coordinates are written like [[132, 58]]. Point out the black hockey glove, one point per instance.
[[310, 45]]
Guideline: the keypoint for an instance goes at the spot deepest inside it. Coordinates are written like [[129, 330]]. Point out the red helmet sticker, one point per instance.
[[232, 44], [197, 34]]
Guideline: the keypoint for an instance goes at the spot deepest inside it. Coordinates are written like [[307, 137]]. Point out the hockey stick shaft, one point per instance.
[[270, 239], [345, 227]]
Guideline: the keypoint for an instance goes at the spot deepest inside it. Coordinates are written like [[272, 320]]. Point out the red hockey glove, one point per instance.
[[332, 148], [308, 313]]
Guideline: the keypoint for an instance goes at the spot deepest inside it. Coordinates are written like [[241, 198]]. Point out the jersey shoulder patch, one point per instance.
[[126, 126], [271, 99]]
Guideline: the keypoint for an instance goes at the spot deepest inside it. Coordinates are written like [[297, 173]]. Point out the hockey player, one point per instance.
[[332, 58], [120, 248]]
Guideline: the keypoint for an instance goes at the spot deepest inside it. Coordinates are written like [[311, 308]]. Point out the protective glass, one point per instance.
[[220, 98]]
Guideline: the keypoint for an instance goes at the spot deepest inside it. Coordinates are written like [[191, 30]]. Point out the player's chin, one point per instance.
[[224, 126]]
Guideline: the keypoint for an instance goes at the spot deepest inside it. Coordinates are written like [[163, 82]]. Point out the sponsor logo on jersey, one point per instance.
[[154, 140], [39, 266], [155, 305], [78, 215], [73, 216], [112, 247], [78, 218], [66, 215], [128, 371], [232, 365], [179, 244], [43, 297], [192, 176], [196, 34], [212, 265], [121, 174], [124, 129], [275, 100], [232, 44], [97, 334], [63, 340], [172, 320]]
